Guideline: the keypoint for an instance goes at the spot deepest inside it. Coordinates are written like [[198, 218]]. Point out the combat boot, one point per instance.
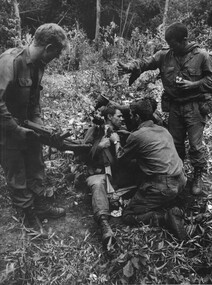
[[175, 222], [197, 182], [107, 233], [33, 224], [44, 209]]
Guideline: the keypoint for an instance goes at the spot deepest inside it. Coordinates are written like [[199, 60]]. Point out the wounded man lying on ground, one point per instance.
[[161, 170], [105, 176]]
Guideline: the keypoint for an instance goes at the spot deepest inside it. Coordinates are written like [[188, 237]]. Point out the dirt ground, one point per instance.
[[73, 230], [77, 223]]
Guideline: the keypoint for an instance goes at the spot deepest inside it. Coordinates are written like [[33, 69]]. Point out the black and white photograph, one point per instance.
[[105, 142]]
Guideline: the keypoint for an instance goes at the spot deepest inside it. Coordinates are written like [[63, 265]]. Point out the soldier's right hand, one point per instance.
[[123, 68], [104, 143], [26, 134], [123, 132]]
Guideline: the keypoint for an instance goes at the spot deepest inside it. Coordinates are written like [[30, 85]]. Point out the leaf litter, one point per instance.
[[145, 255]]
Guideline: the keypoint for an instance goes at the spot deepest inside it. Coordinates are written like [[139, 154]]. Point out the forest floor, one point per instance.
[[73, 253]]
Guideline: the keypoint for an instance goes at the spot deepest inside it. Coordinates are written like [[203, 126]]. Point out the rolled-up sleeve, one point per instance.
[[149, 63], [206, 81]]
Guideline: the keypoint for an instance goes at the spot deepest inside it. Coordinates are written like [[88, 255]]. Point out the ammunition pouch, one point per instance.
[[205, 107]]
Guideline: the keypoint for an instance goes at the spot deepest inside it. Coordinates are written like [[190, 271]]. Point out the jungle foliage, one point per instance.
[[146, 15]]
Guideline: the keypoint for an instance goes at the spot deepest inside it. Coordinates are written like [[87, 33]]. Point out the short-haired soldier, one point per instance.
[[161, 170], [21, 71], [102, 164], [186, 73]]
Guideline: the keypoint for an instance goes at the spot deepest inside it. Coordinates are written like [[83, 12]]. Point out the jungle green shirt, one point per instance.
[[194, 65], [19, 93], [154, 149]]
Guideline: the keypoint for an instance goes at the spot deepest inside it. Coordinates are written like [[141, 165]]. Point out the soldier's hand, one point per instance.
[[123, 68], [187, 84], [123, 132], [114, 137], [104, 143], [25, 134]]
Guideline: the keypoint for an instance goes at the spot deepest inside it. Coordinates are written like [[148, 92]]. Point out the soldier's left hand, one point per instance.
[[104, 143], [114, 137], [187, 84], [123, 68]]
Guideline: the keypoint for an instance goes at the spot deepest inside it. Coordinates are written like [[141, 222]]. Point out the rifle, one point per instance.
[[50, 137]]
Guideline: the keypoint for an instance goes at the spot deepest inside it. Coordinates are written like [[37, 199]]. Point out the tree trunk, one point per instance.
[[17, 18], [165, 14], [98, 11], [126, 18], [122, 5]]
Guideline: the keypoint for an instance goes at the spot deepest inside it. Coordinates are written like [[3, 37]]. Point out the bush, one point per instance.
[[8, 32]]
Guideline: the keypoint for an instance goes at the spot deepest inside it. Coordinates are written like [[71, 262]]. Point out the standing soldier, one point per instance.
[[186, 73], [21, 71]]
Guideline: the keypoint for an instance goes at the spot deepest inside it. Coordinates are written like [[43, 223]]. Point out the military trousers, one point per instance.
[[185, 120], [100, 202], [124, 176], [154, 193], [24, 172]]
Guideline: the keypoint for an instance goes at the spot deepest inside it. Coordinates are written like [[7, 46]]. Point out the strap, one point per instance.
[[107, 157], [15, 72]]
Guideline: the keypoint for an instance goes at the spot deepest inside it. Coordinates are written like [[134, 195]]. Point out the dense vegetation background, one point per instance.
[[146, 15], [73, 254]]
